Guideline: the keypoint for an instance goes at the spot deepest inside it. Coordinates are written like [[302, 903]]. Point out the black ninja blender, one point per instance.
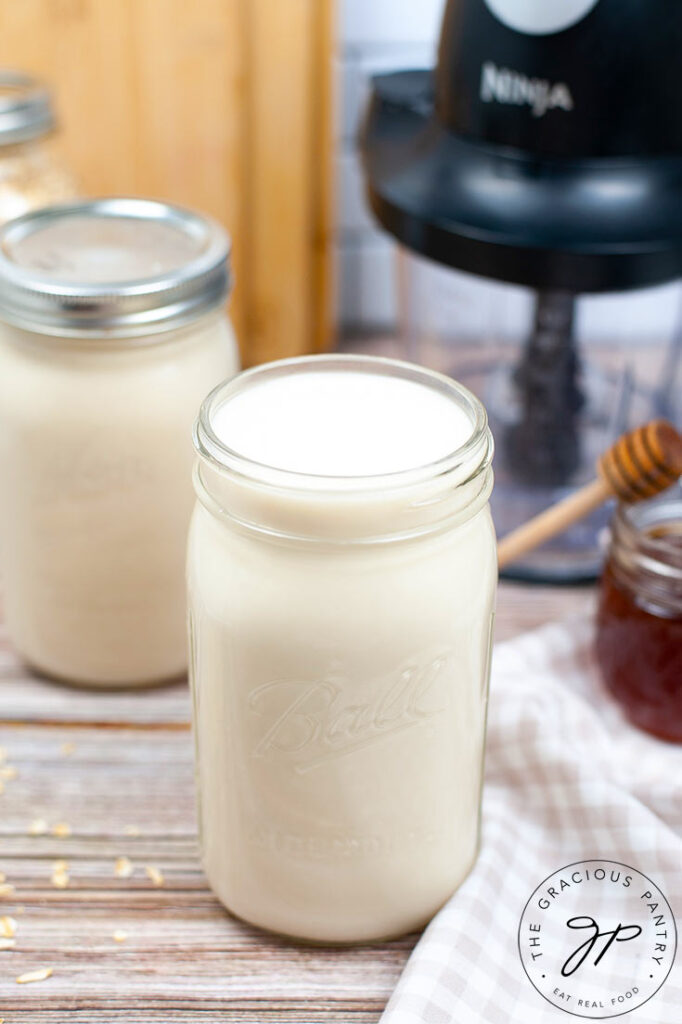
[[534, 180]]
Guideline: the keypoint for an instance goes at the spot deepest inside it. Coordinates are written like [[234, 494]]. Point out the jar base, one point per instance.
[[306, 940], [108, 685], [415, 927]]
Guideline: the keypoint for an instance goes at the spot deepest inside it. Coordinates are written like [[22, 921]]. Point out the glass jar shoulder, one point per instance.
[[228, 563]]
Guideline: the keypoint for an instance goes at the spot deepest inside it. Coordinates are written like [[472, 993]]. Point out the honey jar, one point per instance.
[[639, 618]]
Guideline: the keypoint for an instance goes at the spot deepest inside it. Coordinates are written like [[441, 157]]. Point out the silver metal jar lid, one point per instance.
[[25, 108], [113, 267]]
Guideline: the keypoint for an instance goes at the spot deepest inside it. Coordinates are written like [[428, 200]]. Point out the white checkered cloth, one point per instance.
[[567, 779]]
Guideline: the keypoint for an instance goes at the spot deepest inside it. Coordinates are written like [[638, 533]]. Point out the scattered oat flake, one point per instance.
[[40, 975], [8, 927], [120, 935], [131, 830], [123, 867], [38, 827], [60, 878], [67, 749], [6, 889], [61, 830], [154, 875], [60, 865], [8, 772], [7, 944]]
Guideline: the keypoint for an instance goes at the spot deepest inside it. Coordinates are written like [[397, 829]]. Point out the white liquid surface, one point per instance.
[[331, 423]]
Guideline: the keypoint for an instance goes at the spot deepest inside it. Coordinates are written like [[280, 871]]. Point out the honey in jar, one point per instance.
[[639, 619]]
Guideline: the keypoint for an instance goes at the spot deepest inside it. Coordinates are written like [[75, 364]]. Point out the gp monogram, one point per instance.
[[597, 939], [305, 723]]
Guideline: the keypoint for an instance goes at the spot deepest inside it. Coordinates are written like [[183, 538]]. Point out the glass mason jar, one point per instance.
[[112, 329], [340, 633], [30, 173], [639, 620]]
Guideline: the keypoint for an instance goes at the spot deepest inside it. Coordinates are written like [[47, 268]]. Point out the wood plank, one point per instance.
[[279, 38], [303, 1012], [113, 778], [525, 606], [181, 960], [183, 950], [259, 1012], [322, 283], [187, 64]]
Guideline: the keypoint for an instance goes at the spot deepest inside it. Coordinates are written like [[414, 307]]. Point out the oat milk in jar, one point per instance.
[[112, 329], [342, 573]]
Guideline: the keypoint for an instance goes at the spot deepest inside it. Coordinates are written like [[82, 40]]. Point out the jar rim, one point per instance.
[[477, 450], [634, 545]]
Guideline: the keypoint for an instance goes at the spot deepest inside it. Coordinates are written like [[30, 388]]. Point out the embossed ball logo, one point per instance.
[[597, 939], [540, 17]]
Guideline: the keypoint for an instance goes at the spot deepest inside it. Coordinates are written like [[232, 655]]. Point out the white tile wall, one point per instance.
[[388, 21], [374, 36], [367, 292]]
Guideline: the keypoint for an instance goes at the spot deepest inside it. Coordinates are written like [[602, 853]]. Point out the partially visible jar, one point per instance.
[[639, 621], [112, 329], [31, 175]]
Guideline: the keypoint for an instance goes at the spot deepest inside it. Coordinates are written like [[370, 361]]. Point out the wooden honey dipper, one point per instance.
[[639, 465]]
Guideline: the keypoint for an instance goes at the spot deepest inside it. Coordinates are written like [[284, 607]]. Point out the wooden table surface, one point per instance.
[[116, 768]]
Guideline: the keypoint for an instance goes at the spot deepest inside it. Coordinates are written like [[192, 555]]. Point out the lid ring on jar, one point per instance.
[[40, 286], [645, 538], [25, 108]]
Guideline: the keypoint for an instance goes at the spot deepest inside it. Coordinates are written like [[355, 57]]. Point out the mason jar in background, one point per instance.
[[342, 572], [31, 175], [112, 329]]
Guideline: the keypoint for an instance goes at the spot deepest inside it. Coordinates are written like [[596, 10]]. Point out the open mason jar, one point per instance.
[[342, 572]]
